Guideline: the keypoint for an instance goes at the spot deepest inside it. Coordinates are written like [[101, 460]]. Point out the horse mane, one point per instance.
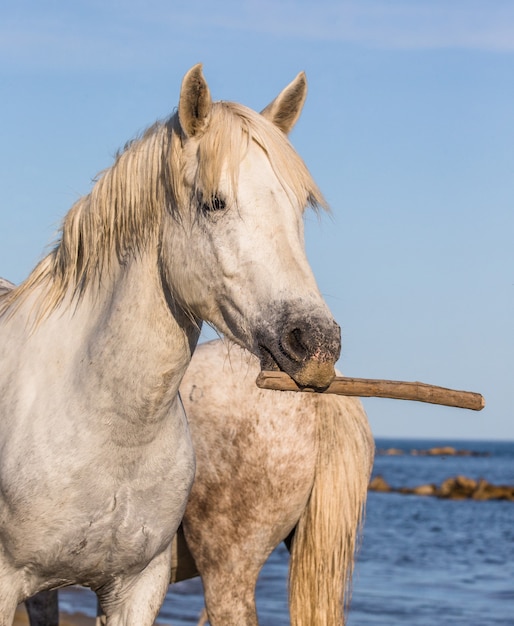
[[124, 210]]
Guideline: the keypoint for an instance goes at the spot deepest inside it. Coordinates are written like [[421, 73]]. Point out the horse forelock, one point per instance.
[[232, 128]]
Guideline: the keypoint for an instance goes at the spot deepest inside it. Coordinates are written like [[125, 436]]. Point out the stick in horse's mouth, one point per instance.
[[371, 388]]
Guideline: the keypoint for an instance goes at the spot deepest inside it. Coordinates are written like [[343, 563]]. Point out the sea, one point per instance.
[[423, 561]]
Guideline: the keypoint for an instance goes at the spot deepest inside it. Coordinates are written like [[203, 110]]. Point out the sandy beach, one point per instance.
[[65, 619], [77, 619]]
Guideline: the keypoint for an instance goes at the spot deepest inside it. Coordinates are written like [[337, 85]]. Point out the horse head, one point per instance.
[[237, 259]]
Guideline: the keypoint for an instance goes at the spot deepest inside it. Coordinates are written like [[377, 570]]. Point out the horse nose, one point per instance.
[[312, 342], [306, 347], [314, 348]]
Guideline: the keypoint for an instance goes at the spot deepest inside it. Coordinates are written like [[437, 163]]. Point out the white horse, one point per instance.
[[199, 219], [270, 466]]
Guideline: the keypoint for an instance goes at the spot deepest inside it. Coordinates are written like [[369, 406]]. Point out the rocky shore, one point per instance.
[[455, 488], [437, 451]]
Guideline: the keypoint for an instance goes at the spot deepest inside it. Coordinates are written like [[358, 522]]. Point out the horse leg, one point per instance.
[[230, 595], [100, 615], [204, 618], [43, 609], [11, 592], [136, 601], [229, 554], [7, 611]]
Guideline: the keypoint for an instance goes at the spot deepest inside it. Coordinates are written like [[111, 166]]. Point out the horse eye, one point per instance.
[[215, 203]]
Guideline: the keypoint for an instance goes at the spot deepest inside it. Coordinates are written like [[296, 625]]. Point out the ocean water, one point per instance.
[[423, 561]]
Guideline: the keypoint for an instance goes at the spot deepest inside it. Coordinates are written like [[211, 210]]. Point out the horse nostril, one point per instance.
[[293, 345]]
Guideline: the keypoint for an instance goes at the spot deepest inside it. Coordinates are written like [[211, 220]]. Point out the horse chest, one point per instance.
[[93, 517], [126, 530]]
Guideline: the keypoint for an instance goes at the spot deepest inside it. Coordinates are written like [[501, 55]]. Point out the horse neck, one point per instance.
[[131, 345], [150, 339]]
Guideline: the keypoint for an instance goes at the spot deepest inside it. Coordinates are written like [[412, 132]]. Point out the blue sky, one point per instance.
[[408, 129]]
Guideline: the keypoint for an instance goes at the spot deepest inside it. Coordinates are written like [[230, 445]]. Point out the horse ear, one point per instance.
[[194, 103], [285, 110]]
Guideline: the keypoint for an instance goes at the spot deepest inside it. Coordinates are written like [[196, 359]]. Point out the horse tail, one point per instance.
[[327, 534]]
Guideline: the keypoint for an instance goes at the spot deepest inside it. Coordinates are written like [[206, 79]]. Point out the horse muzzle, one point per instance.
[[305, 347]]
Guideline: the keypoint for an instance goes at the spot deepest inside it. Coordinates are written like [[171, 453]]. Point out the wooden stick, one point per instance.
[[369, 388]]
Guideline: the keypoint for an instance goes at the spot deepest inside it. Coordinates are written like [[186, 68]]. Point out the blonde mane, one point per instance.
[[124, 210]]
